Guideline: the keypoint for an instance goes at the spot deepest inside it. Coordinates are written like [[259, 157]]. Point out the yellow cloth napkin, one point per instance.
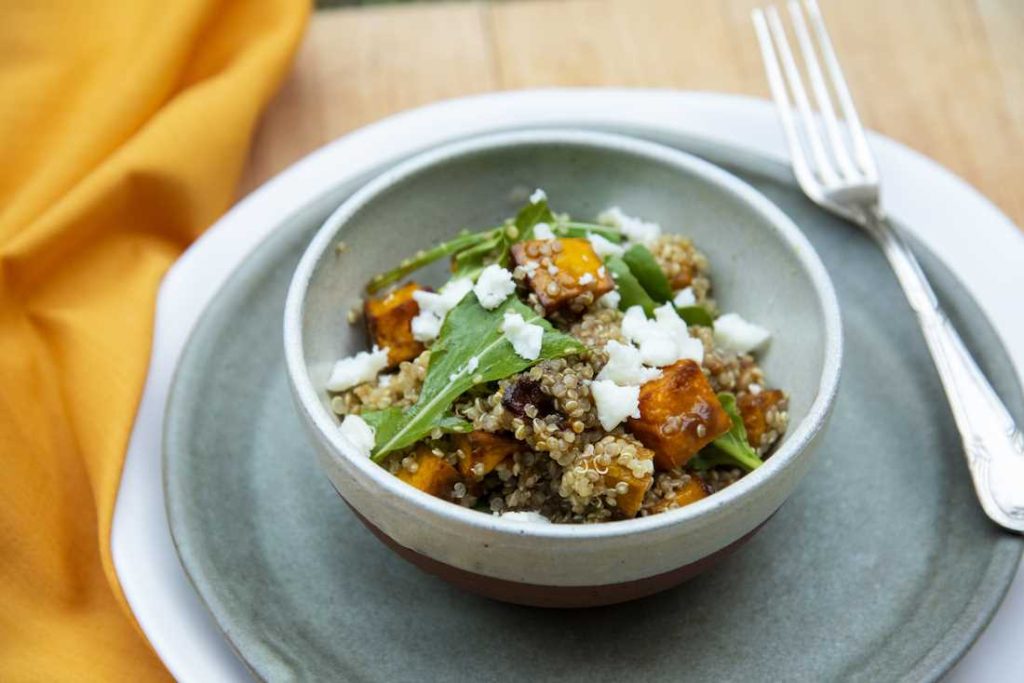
[[123, 129]]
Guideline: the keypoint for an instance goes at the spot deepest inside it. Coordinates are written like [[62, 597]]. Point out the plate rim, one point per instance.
[[178, 277], [931, 665]]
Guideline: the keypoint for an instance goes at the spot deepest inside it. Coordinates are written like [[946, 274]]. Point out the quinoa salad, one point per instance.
[[567, 372]]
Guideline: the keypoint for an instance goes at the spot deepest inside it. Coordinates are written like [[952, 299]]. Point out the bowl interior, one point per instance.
[[755, 270]]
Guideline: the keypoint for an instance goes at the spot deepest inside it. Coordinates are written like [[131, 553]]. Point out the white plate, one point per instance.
[[938, 207]]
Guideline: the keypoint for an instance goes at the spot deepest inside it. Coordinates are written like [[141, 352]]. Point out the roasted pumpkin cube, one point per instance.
[[754, 410], [635, 488], [389, 322], [483, 451], [679, 415], [433, 474], [563, 271], [625, 467], [693, 490]]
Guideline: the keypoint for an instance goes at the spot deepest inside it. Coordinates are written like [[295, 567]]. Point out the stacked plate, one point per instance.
[[881, 566]]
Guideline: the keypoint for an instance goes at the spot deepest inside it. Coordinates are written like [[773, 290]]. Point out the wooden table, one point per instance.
[[945, 77]]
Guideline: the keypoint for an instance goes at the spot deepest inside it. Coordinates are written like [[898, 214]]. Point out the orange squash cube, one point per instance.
[[618, 474], [563, 272], [389, 322], [754, 409], [433, 474], [693, 490], [679, 415], [629, 502], [483, 451]]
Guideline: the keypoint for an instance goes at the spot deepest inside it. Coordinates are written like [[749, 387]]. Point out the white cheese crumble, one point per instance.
[[624, 365], [685, 297], [538, 196], [530, 267], [614, 403], [493, 286], [524, 517], [736, 334], [426, 326], [542, 231], [357, 369], [604, 247], [586, 279], [634, 229], [434, 307], [661, 341], [357, 434], [526, 338], [610, 300], [472, 364], [754, 388]]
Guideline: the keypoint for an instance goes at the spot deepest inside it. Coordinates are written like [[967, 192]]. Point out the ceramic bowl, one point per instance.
[[762, 268]]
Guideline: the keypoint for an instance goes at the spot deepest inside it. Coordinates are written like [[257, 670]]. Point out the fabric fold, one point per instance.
[[125, 127]]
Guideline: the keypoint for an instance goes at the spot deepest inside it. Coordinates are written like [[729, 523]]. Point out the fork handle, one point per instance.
[[993, 445]]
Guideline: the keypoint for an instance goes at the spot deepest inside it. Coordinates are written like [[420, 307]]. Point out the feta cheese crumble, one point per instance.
[[358, 434], [604, 247], [634, 229], [586, 279], [542, 231], [685, 297], [493, 286], [357, 369], [610, 300], [661, 341], [526, 338], [736, 334], [538, 196], [524, 517], [614, 403], [624, 366], [435, 306]]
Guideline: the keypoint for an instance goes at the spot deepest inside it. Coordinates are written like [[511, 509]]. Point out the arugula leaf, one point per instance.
[[380, 419], [423, 258], [732, 447], [584, 230], [469, 332], [529, 216], [630, 290], [648, 273], [497, 247], [696, 315]]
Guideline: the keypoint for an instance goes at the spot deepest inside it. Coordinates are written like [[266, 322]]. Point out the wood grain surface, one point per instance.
[[945, 77]]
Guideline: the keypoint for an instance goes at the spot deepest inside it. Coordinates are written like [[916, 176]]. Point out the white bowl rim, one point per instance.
[[326, 423]]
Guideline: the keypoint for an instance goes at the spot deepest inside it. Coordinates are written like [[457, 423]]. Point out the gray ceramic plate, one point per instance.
[[880, 566]]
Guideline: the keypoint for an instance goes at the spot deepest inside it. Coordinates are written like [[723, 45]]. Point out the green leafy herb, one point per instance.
[[469, 332], [424, 258], [529, 216], [577, 229], [696, 315], [446, 423], [630, 290], [648, 273], [732, 447]]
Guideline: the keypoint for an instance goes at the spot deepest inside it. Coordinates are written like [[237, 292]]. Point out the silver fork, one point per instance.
[[843, 178]]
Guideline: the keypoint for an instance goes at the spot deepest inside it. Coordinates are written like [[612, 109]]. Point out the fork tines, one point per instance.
[[847, 159]]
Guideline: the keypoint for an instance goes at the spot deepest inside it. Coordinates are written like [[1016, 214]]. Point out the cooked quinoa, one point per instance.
[[534, 440]]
